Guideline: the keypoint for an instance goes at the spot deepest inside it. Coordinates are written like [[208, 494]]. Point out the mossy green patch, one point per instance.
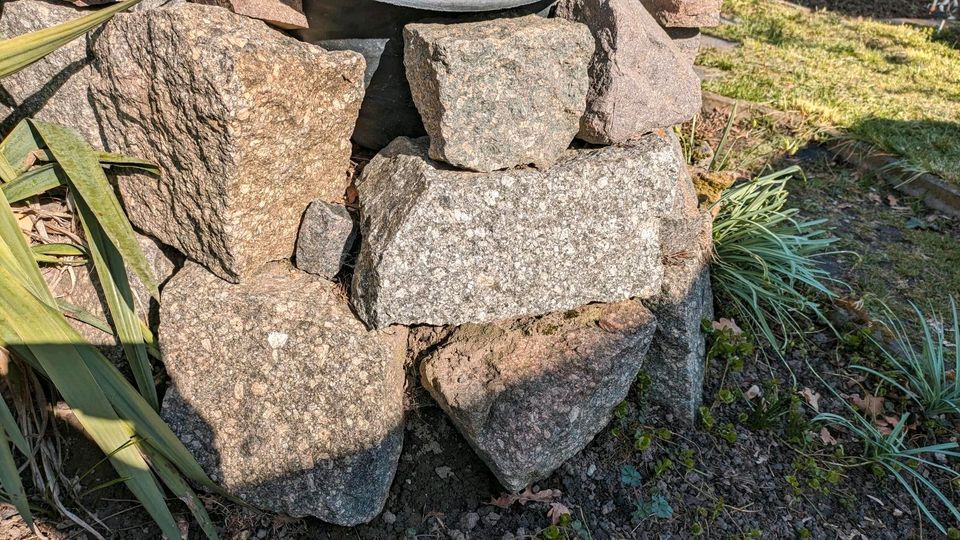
[[890, 85]]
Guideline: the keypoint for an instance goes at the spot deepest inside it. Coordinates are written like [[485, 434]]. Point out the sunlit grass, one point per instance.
[[889, 85]]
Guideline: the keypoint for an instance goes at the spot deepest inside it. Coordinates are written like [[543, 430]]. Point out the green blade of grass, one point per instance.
[[21, 51], [18, 145], [9, 425], [109, 159], [119, 297], [175, 483], [34, 182], [90, 184], [10, 480]]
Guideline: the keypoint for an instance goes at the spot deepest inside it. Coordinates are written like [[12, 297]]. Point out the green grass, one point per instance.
[[893, 86]]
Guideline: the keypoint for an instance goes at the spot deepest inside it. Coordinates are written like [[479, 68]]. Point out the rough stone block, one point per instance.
[[685, 13], [675, 362], [442, 246], [327, 234], [248, 125], [529, 394], [281, 394], [286, 14], [56, 88], [639, 80], [499, 93]]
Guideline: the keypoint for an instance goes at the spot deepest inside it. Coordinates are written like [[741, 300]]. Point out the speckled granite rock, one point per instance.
[[236, 114], [675, 362], [287, 14], [55, 89], [639, 80], [687, 41], [499, 93], [282, 395], [529, 394], [442, 246], [327, 233], [685, 13]]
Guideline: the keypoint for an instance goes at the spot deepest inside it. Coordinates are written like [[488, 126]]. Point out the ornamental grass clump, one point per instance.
[[767, 262], [924, 368]]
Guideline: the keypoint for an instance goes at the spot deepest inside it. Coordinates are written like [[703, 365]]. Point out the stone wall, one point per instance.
[[526, 237]]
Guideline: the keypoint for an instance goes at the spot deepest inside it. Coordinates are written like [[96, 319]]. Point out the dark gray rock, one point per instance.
[[248, 126], [639, 80], [327, 234], [443, 246], [529, 394], [675, 362], [56, 88], [281, 394], [498, 93]]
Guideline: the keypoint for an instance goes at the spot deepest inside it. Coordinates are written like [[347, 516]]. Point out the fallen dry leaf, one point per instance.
[[544, 496], [727, 324], [826, 437], [871, 405], [556, 511], [812, 398]]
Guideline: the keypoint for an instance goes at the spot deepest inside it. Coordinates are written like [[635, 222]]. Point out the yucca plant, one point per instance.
[[766, 262], [34, 158], [890, 452], [926, 372]]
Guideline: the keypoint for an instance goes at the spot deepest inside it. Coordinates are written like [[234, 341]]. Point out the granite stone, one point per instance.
[[281, 394], [327, 234], [528, 394], [443, 246], [498, 93], [248, 126]]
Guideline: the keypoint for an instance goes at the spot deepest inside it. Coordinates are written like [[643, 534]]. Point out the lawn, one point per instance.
[[893, 86]]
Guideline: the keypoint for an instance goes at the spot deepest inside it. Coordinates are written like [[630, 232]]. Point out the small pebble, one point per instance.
[[389, 517], [469, 520], [492, 518]]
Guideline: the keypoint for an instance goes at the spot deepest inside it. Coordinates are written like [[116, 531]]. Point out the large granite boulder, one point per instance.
[[499, 93], [248, 125], [685, 13], [56, 88], [675, 362], [287, 14], [639, 80], [281, 394], [442, 246], [687, 41], [529, 394]]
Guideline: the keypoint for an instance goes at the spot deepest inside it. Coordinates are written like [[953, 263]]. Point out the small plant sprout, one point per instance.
[[926, 371], [766, 262]]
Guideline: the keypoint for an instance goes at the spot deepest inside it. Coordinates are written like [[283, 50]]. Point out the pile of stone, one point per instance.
[[528, 247]]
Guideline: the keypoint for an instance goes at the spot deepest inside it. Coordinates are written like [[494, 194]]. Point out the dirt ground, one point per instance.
[[754, 469]]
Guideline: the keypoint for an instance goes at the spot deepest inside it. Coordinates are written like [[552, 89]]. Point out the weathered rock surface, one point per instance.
[[286, 14], [687, 41], [675, 362], [248, 125], [281, 394], [442, 246], [529, 394], [639, 80], [685, 13], [499, 93], [326, 235], [55, 89]]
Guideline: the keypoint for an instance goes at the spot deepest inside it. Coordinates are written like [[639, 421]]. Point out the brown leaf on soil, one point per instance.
[[871, 405], [812, 398], [544, 495], [556, 511], [727, 324], [826, 437]]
